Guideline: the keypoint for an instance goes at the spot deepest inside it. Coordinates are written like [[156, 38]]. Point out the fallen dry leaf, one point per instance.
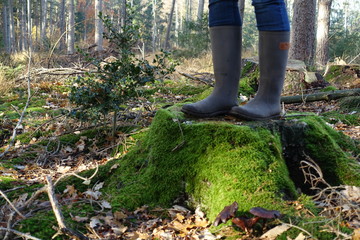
[[227, 213]]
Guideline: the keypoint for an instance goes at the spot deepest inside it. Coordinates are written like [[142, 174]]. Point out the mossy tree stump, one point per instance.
[[213, 163]]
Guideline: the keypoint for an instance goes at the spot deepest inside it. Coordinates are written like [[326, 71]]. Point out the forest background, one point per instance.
[[51, 49], [60, 25]]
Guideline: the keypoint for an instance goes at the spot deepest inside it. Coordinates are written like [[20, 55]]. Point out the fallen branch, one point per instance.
[[203, 80], [24, 235], [321, 96], [58, 214], [11, 204]]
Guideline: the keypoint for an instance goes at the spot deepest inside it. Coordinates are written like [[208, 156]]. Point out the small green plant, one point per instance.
[[115, 82]]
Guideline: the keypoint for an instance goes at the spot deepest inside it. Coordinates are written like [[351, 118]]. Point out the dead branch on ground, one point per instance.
[[206, 78], [58, 214], [24, 235], [320, 96]]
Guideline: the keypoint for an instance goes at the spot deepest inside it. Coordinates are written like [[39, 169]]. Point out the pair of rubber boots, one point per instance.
[[226, 52]]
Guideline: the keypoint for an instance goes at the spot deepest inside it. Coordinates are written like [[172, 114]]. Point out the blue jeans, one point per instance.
[[271, 15]]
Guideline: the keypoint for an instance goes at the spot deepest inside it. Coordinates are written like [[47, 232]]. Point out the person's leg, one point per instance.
[[225, 35], [274, 37]]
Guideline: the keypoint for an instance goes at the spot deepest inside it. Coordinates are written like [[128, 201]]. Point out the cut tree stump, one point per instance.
[[212, 163]]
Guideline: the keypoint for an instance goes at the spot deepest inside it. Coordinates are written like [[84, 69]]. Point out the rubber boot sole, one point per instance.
[[248, 117], [205, 115]]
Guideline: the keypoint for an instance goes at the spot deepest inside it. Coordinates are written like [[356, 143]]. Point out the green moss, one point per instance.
[[334, 71], [43, 224], [349, 119], [330, 150], [214, 163], [350, 103], [329, 89]]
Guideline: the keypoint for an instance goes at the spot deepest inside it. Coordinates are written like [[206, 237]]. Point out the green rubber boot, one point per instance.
[[273, 55], [226, 53]]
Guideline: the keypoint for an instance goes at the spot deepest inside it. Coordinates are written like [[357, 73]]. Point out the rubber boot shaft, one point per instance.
[[226, 54], [273, 55]]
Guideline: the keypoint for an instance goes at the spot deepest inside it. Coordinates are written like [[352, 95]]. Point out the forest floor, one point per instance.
[[49, 142]]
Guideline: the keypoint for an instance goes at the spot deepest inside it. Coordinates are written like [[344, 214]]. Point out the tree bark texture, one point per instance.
[[11, 26], [322, 35], [43, 22], [200, 12], [99, 28], [167, 38], [6, 29], [303, 31], [29, 25], [71, 28], [62, 24]]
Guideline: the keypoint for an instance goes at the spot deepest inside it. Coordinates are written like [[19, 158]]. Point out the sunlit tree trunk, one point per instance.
[[154, 30], [200, 10], [167, 38], [322, 35], [303, 31], [99, 28], [6, 29], [23, 32], [71, 28], [11, 26], [43, 21], [29, 25]]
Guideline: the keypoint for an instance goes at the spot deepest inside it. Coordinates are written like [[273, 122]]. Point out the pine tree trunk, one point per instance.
[[154, 30], [11, 27], [167, 38], [6, 29], [242, 8], [99, 28], [123, 13], [322, 36], [29, 25], [303, 31], [62, 24], [71, 28], [23, 33], [200, 10], [43, 22]]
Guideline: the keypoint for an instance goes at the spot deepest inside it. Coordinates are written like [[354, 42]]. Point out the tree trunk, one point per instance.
[[11, 26], [200, 10], [123, 13], [154, 30], [62, 24], [167, 38], [29, 25], [43, 22], [303, 31], [322, 35], [242, 8], [6, 29], [99, 28], [23, 33], [71, 28]]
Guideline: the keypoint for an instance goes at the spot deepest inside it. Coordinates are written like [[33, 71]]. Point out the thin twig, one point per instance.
[[11, 204], [299, 228], [78, 176], [24, 235]]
